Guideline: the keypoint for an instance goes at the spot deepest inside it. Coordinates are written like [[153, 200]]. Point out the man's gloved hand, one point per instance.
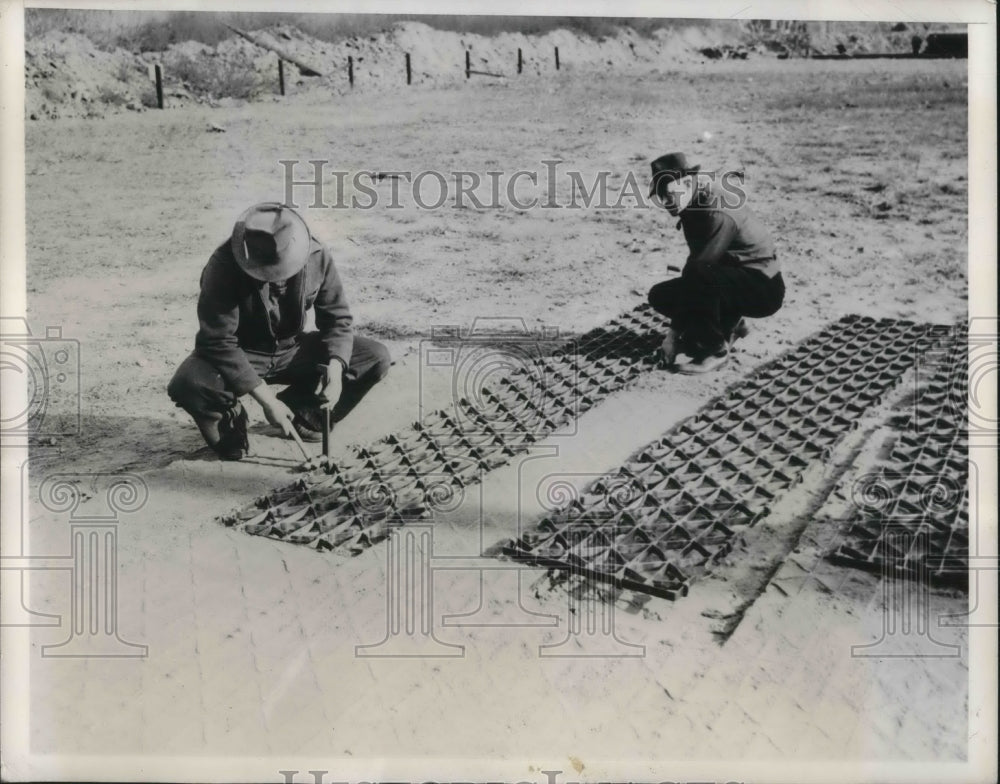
[[329, 389]]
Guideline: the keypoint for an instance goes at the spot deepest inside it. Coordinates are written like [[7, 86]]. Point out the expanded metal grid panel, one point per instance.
[[910, 517], [681, 501], [403, 476]]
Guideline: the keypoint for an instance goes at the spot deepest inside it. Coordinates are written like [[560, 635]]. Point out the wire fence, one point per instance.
[[158, 73], [789, 38]]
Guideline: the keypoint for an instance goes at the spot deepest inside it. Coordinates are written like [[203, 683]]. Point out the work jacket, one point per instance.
[[233, 314], [719, 228]]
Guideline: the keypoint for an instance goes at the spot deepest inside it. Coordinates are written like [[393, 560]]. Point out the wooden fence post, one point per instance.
[[350, 69], [281, 75], [520, 60], [409, 73], [557, 58], [158, 70], [468, 64]]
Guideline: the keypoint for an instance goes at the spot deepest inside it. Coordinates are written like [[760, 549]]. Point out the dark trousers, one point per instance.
[[199, 389], [704, 304]]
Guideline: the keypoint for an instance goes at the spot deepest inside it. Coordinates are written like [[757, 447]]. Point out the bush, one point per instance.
[[148, 99], [123, 70], [234, 81], [218, 78], [111, 96]]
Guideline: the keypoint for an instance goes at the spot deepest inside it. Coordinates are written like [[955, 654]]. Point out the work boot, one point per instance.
[[705, 363], [234, 443], [740, 330], [226, 433], [305, 430], [670, 347]]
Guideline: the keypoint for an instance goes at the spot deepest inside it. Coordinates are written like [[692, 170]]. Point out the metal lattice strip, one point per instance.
[[681, 501], [349, 508], [910, 517]]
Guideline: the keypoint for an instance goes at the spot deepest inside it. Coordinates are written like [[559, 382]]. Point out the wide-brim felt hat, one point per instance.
[[271, 242], [670, 167]]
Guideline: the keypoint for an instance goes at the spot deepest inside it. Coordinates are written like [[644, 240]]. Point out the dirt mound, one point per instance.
[[873, 38], [68, 76]]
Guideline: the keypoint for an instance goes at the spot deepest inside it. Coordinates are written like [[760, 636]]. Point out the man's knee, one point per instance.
[[198, 388], [671, 298], [659, 297], [381, 362], [181, 388], [370, 362]]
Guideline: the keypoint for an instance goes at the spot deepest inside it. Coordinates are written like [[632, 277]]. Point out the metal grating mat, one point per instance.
[[910, 517], [410, 473], [680, 502], [653, 525]]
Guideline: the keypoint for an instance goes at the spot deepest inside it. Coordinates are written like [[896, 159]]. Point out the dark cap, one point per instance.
[[668, 168]]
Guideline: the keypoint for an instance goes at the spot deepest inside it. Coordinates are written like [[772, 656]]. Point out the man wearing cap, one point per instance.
[[255, 291], [731, 271]]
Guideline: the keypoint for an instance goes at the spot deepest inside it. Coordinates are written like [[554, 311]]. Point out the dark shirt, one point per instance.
[[720, 229]]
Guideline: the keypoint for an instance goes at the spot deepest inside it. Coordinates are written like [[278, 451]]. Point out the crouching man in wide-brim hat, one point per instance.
[[255, 291], [731, 271]]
